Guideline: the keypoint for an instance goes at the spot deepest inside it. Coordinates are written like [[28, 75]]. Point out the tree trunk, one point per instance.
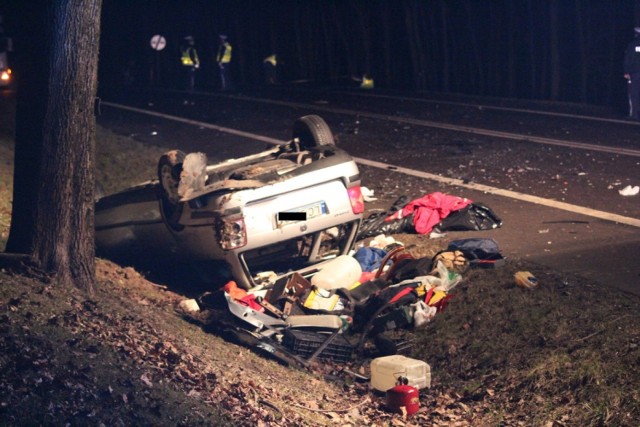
[[555, 50], [533, 64], [53, 205], [446, 55], [364, 62], [512, 56], [476, 78], [386, 43], [582, 30]]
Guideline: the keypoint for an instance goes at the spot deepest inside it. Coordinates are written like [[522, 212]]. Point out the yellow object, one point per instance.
[[421, 290], [272, 59], [224, 53], [320, 299], [525, 279], [367, 83], [189, 57], [437, 296], [452, 259]]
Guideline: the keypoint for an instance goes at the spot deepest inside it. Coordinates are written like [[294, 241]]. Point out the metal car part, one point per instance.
[[228, 214]]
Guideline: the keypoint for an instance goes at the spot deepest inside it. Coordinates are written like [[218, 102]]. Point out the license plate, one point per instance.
[[303, 213]]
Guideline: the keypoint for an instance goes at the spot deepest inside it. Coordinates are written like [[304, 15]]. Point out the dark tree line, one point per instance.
[[567, 50]]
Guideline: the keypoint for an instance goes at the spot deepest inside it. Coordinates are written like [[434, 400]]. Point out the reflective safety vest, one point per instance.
[[271, 59], [224, 53], [367, 83], [189, 57]]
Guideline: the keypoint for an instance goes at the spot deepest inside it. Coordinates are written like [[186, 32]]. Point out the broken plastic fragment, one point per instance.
[[193, 176], [367, 194], [189, 305], [629, 190]]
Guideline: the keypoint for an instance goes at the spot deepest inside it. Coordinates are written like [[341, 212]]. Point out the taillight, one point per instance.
[[356, 199], [233, 233], [5, 75]]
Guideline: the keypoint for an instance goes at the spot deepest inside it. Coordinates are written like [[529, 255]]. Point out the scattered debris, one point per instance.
[[387, 370], [403, 398], [368, 194], [629, 190], [525, 279], [435, 212], [189, 305]]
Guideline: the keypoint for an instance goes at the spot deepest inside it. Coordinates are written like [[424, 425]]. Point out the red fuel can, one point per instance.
[[403, 395]]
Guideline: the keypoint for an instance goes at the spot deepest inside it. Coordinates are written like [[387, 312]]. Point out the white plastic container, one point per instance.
[[341, 272], [386, 370]]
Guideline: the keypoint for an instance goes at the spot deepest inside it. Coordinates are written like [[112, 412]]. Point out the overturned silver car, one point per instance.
[[284, 209]]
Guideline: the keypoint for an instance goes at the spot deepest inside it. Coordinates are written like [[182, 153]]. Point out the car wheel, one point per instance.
[[312, 131], [169, 169]]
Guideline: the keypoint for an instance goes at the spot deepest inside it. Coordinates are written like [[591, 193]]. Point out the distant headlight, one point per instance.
[[5, 75]]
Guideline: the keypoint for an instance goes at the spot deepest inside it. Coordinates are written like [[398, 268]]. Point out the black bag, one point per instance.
[[361, 292], [480, 252], [474, 216], [374, 224]]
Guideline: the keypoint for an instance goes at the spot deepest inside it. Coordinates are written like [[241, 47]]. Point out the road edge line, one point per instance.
[[506, 193]]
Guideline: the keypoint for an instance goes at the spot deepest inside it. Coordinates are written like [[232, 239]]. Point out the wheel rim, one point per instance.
[[169, 184]]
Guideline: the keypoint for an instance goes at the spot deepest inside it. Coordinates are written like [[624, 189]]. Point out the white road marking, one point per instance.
[[441, 125], [506, 193], [496, 108], [196, 123], [412, 172]]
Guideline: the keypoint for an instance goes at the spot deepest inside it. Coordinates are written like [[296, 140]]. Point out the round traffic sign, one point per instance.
[[158, 42]]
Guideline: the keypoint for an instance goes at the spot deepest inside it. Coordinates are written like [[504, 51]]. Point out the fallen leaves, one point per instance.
[[250, 390]]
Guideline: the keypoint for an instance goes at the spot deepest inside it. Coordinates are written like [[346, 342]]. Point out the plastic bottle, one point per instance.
[[341, 272]]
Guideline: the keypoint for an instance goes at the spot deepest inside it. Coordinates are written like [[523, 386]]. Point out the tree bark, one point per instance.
[[476, 73], [554, 50], [446, 54], [581, 68], [53, 198]]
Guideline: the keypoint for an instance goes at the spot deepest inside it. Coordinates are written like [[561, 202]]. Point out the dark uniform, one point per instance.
[[632, 74]]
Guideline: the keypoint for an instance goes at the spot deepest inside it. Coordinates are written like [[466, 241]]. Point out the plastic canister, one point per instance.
[[386, 370], [341, 272]]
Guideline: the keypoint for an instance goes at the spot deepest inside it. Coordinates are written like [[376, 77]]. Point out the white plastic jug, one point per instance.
[[341, 272], [386, 370]]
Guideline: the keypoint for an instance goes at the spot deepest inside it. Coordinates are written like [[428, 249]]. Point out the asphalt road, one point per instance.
[[583, 226]]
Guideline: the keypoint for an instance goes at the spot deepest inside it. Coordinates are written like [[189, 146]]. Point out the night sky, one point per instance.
[[565, 50]]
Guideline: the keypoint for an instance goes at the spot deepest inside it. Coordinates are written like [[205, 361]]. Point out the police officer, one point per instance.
[[190, 62], [366, 81], [223, 58], [632, 74]]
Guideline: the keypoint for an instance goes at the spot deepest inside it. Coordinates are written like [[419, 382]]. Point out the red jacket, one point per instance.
[[429, 210]]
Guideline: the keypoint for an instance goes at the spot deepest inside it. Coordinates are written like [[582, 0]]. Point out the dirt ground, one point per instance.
[[566, 353]]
